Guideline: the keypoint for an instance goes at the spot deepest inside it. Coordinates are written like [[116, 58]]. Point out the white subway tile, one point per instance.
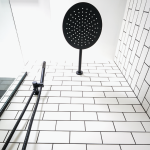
[[121, 108], [146, 126], [148, 95], [147, 77], [70, 126], [99, 126], [135, 147], [95, 107], [81, 88], [115, 94], [70, 107], [111, 83], [91, 83], [103, 147], [138, 108], [36, 146], [142, 41], [53, 137], [142, 59], [102, 88], [58, 100], [141, 138], [122, 89], [82, 100], [117, 138], [83, 116], [71, 94], [71, 83], [63, 88], [56, 116], [85, 137], [93, 94], [143, 91], [106, 101], [129, 126], [136, 117], [111, 116], [69, 147]]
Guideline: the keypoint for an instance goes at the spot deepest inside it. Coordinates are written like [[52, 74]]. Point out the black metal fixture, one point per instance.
[[34, 92], [82, 26]]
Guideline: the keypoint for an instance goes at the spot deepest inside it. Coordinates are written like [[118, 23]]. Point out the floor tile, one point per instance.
[[146, 126], [135, 147], [136, 117], [80, 79], [85, 137], [71, 94], [81, 88], [27, 115], [82, 100], [106, 101], [20, 135], [83, 116], [63, 88], [62, 78], [129, 126], [91, 83], [115, 94], [47, 107], [11, 146], [95, 107], [99, 79], [70, 126], [111, 117], [9, 124], [71, 83], [117, 138], [69, 147], [70, 107], [50, 93], [56, 116], [122, 89], [103, 147], [93, 94], [138, 108], [102, 88], [36, 146], [19, 106], [3, 135], [53, 137], [141, 138], [99, 126], [9, 114], [128, 101], [111, 84], [43, 125], [121, 108], [58, 100]]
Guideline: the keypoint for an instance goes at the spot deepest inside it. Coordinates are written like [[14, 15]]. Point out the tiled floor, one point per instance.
[[97, 110]]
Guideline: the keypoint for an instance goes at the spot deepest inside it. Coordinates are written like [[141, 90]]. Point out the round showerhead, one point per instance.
[[82, 25]]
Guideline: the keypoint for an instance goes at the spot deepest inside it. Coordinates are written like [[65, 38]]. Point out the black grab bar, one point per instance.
[[34, 92]]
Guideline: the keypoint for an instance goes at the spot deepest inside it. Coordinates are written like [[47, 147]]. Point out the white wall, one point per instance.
[[11, 61], [133, 50], [39, 24]]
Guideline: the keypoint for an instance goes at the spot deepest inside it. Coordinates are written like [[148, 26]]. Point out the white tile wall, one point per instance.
[[136, 66]]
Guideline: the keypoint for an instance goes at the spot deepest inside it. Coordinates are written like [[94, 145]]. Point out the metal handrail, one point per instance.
[[34, 92], [12, 94]]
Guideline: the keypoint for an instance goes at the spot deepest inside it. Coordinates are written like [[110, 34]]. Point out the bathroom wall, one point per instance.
[[39, 26], [133, 49]]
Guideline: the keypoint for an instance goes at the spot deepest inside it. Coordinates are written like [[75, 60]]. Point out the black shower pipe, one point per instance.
[[33, 114], [12, 94]]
